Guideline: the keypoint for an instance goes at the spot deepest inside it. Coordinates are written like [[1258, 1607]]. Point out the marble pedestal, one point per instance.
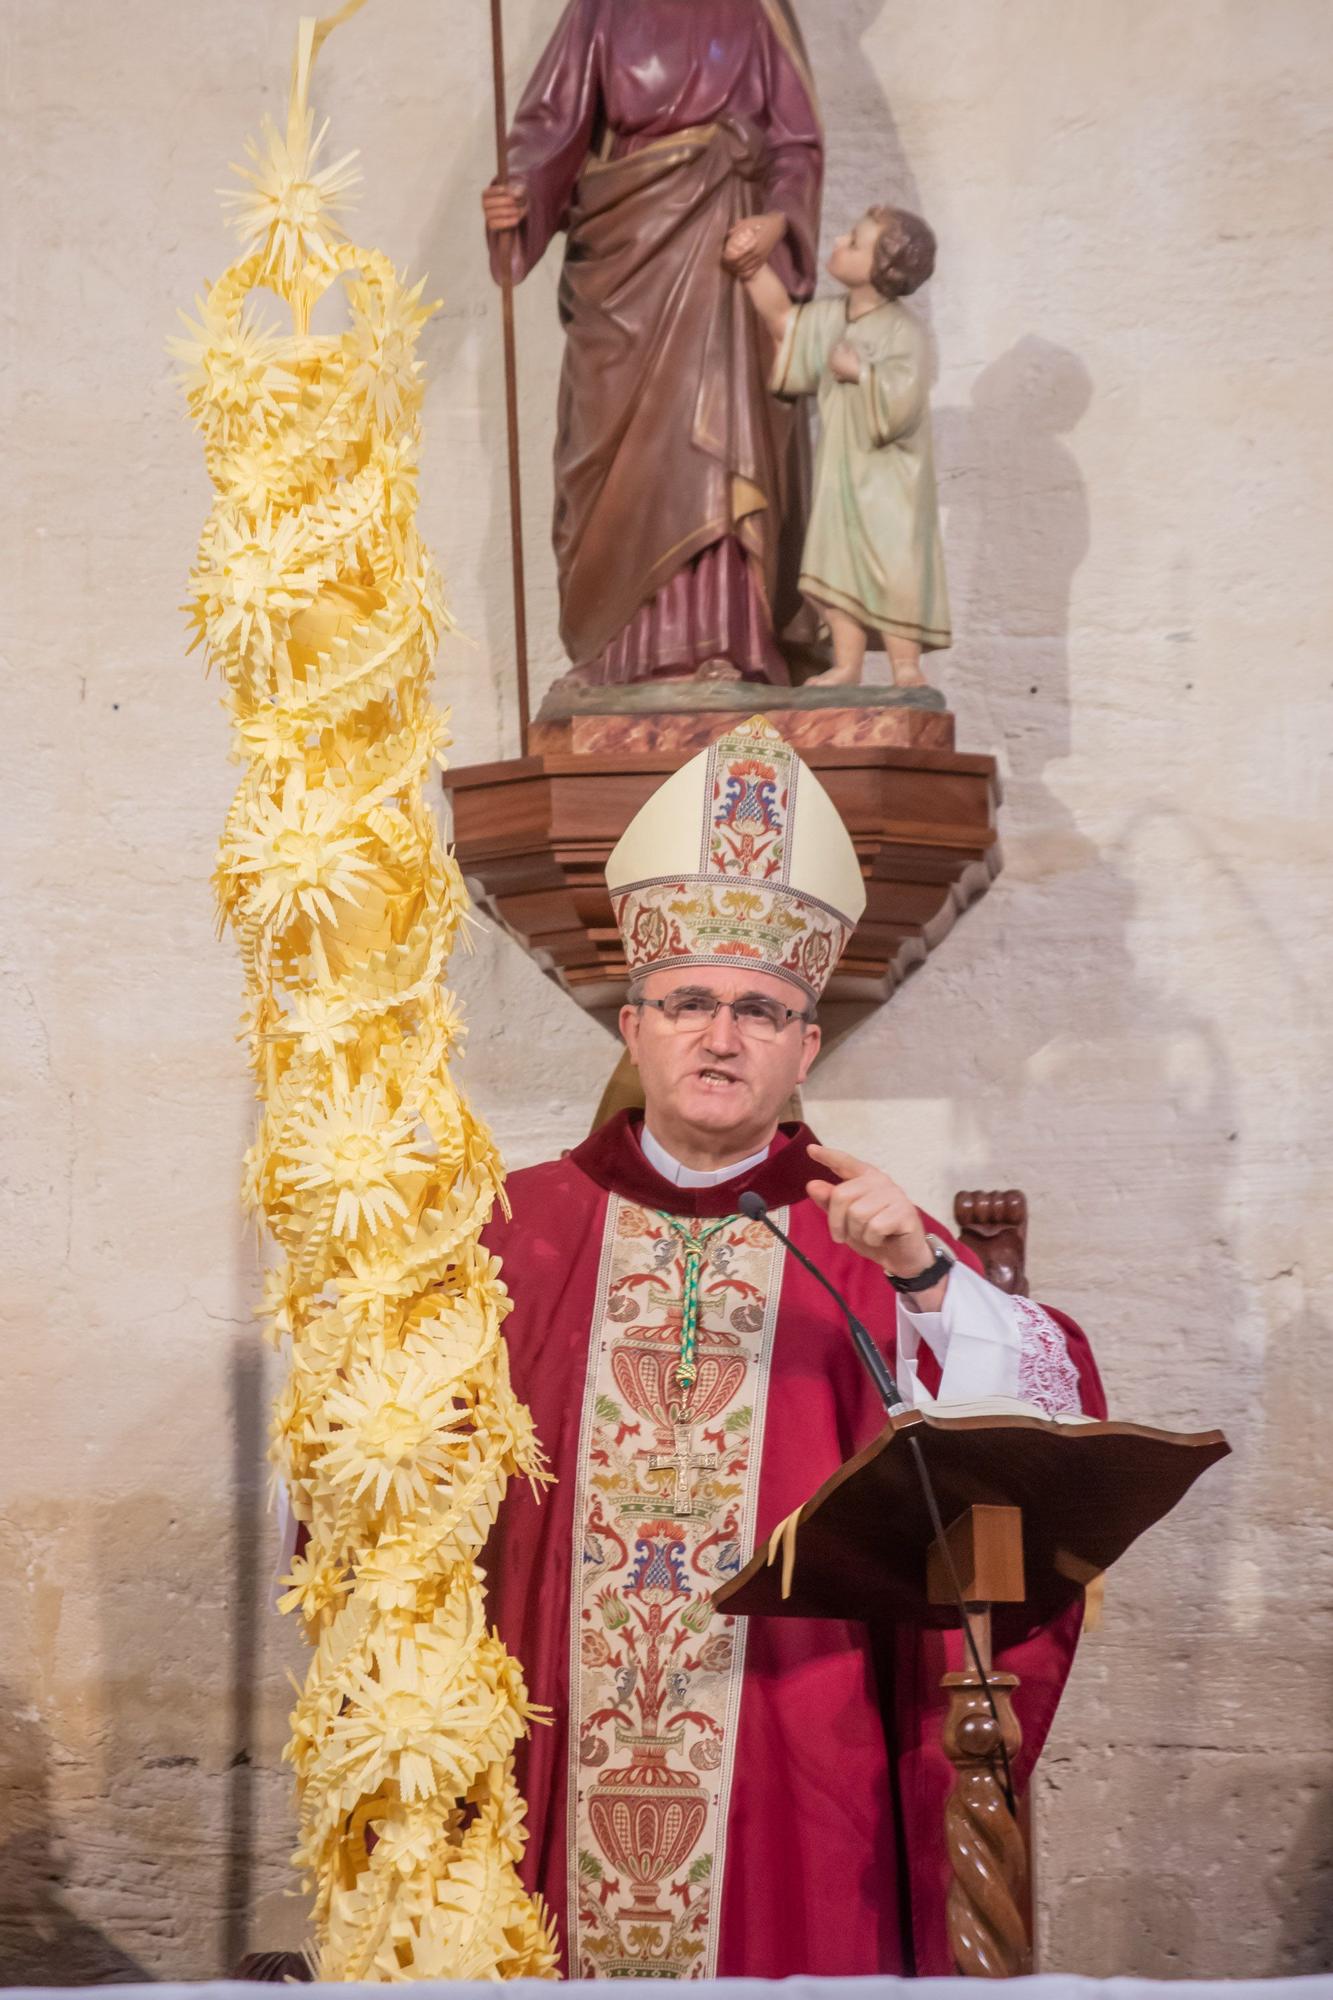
[[682, 717]]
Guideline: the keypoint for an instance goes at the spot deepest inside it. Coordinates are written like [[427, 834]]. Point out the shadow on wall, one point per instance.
[[1018, 532], [182, 1583], [42, 1940], [1306, 1934], [247, 1446], [1294, 1401]]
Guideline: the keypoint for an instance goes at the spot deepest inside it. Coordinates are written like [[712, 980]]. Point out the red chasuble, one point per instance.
[[716, 1796]]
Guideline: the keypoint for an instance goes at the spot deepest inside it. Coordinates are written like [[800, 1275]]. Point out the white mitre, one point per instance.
[[740, 858]]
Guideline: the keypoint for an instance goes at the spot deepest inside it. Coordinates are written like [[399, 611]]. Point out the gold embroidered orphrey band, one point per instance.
[[665, 1507]]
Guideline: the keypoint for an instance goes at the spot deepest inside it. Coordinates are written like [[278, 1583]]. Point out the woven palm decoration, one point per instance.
[[397, 1429]]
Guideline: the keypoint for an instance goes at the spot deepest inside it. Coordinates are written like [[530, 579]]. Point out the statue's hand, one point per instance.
[[846, 363], [738, 246], [751, 243], [504, 205]]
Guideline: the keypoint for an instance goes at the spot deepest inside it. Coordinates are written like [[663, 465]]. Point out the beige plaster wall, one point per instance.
[[1133, 201]]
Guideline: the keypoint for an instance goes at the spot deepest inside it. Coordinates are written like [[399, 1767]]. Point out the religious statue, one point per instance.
[[649, 130], [872, 562]]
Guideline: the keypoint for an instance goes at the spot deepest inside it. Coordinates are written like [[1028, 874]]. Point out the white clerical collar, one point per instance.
[[693, 1177]]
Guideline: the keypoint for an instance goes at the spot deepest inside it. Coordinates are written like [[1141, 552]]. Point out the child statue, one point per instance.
[[872, 560]]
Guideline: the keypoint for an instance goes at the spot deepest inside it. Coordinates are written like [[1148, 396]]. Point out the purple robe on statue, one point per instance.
[[680, 488], [716, 1795]]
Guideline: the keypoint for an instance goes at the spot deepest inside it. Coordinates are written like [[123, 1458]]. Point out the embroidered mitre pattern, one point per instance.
[[703, 922], [751, 791], [739, 858]]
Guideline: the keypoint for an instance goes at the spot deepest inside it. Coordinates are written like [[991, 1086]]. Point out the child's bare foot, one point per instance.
[[718, 670], [904, 662], [836, 677]]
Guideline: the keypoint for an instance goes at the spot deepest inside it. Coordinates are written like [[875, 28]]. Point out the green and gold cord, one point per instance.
[[695, 1243]]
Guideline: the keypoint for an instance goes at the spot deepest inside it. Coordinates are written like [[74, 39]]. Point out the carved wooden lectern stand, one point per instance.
[[1036, 1511]]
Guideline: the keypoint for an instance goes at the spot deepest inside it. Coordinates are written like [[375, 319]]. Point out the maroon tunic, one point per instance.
[[679, 483], [816, 1880]]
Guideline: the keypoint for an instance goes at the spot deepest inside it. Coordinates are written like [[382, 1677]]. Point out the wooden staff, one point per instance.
[[511, 383]]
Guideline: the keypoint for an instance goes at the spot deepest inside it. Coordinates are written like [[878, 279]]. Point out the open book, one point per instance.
[[996, 1406]]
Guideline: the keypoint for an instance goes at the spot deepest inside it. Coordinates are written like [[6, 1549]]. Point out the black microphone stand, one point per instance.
[[753, 1206]]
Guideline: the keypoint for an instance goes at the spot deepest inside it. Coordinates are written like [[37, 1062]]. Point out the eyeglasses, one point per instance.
[[759, 1020]]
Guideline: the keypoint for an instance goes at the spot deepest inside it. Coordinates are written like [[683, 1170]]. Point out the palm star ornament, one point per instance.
[[396, 1430]]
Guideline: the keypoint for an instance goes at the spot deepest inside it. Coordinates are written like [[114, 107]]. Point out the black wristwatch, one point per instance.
[[943, 1263]]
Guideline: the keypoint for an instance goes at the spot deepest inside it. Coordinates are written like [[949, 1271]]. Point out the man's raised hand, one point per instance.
[[870, 1214]]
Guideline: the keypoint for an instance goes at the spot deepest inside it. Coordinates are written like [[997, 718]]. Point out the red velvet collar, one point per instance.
[[613, 1158]]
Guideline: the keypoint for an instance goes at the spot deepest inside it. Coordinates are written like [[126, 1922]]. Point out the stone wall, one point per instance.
[[1131, 311]]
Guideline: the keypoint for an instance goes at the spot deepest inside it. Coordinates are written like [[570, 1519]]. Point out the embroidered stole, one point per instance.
[[668, 1479]]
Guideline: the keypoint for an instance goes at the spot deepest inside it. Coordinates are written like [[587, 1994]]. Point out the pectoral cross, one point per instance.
[[681, 1463]]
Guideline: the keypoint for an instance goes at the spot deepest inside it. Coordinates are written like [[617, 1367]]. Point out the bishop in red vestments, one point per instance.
[[718, 1796]]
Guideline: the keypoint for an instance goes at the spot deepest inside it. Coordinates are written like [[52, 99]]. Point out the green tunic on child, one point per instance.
[[872, 547]]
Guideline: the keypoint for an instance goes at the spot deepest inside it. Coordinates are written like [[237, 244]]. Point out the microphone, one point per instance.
[[753, 1206]]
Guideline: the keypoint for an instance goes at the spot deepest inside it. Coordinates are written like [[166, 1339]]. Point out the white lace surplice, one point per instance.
[[987, 1344]]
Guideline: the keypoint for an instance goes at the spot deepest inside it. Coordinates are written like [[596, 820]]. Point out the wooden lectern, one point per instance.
[[1035, 1511]]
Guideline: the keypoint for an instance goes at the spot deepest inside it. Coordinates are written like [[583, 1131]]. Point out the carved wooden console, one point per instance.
[[994, 1223], [533, 834]]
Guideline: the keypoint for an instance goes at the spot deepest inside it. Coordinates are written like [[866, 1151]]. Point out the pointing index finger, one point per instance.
[[844, 1164]]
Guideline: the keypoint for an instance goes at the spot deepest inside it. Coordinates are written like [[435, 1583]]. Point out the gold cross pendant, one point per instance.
[[682, 1463]]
